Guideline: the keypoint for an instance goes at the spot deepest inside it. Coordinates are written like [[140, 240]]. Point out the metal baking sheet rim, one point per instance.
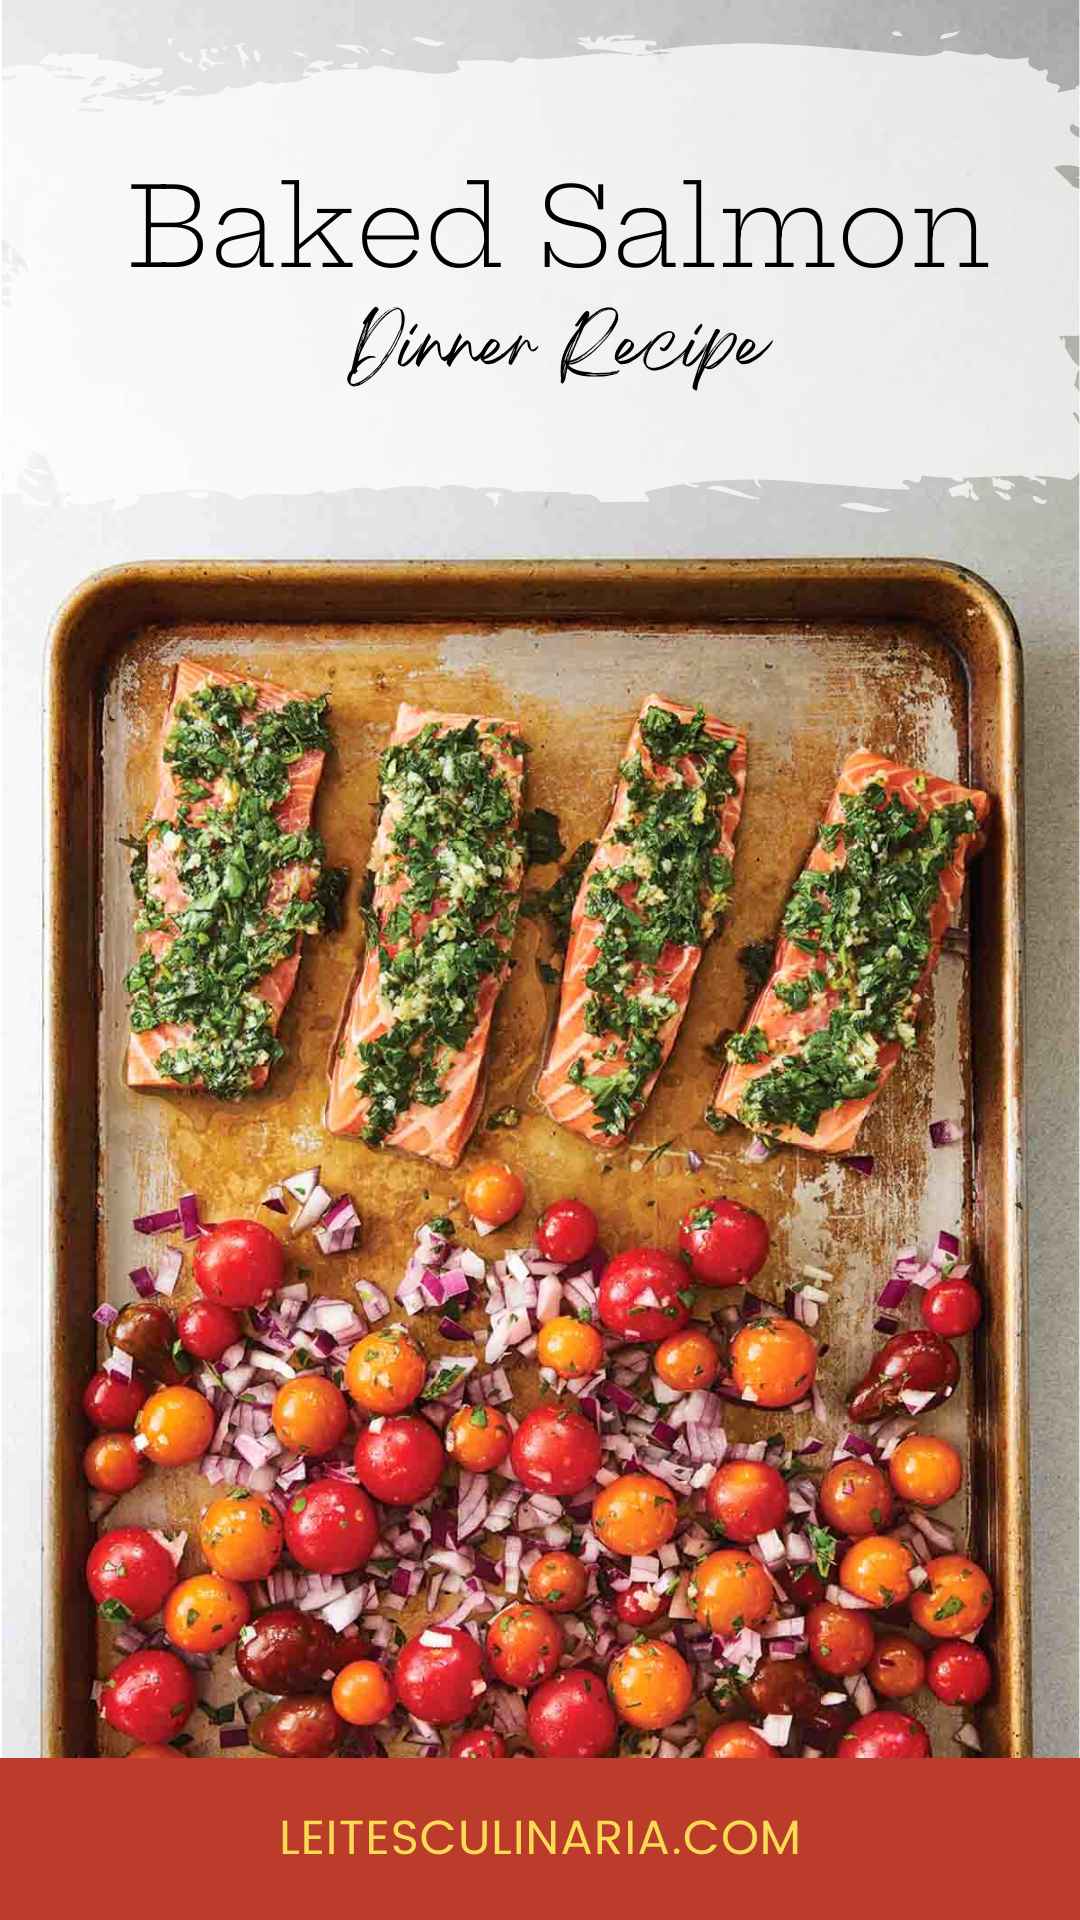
[[101, 614]]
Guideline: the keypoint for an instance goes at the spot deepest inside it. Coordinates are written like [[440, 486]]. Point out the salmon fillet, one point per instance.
[[472, 815], [800, 963], [293, 815], [583, 1048]]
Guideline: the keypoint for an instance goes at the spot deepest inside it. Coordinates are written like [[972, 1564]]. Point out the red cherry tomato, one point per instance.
[[438, 1675], [112, 1463], [524, 1644], [885, 1735], [239, 1263], [399, 1459], [330, 1527], [111, 1404], [555, 1450], [727, 1243], [952, 1307], [745, 1498], [567, 1231], [644, 1294], [737, 1740], [207, 1329], [571, 1718], [129, 1573], [959, 1673], [149, 1696], [478, 1743], [642, 1606]]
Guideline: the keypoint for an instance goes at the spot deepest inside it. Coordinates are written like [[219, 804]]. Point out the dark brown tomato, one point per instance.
[[286, 1651], [913, 1361], [784, 1686], [147, 1330], [802, 1584], [831, 1720], [304, 1727]]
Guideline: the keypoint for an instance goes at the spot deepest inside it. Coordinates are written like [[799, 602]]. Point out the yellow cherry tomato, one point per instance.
[[876, 1569], [177, 1425], [729, 1591], [558, 1581], [634, 1514], [478, 1438], [773, 1361], [363, 1693], [385, 1371], [155, 1753], [241, 1535], [956, 1599], [112, 1463], [494, 1193], [310, 1414], [925, 1471], [571, 1348], [687, 1361], [650, 1684], [205, 1613]]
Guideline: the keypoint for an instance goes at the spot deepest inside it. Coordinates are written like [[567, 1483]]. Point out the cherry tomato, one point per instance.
[[913, 1361], [305, 1727], [897, 1667], [745, 1498], [855, 1498], [570, 1347], [925, 1471], [112, 1463], [773, 1361], [728, 1591], [177, 1425], [784, 1686], [651, 1685], [841, 1640], [524, 1644], [644, 1294], [438, 1675], [823, 1731], [885, 1736], [727, 1243], [330, 1527], [399, 1459], [205, 1613], [803, 1584], [952, 1307], [207, 1329], [129, 1573], [737, 1740], [959, 1673], [239, 1263], [286, 1651], [111, 1404], [955, 1600], [566, 1231], [310, 1414], [558, 1582], [642, 1606], [241, 1535], [555, 1450], [635, 1514], [147, 1330], [876, 1569], [478, 1438], [155, 1753], [687, 1361], [478, 1743], [571, 1718], [149, 1696], [385, 1371], [493, 1193], [363, 1693]]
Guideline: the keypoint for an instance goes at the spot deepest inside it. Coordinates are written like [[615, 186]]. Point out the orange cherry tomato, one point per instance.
[[155, 1753], [571, 1348], [493, 1193], [385, 1371], [241, 1535], [737, 1740], [841, 1640], [310, 1414], [745, 1498], [635, 1514], [876, 1569], [687, 1360], [177, 1425], [558, 1582], [479, 1438], [773, 1361], [897, 1667], [524, 1644], [650, 1684], [956, 1599], [855, 1498], [925, 1471], [730, 1591], [112, 1463], [205, 1613], [363, 1693]]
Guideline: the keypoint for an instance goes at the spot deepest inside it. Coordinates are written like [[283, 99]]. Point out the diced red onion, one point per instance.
[[169, 1271], [143, 1282], [945, 1133], [776, 1729], [120, 1364], [161, 1222], [860, 1162]]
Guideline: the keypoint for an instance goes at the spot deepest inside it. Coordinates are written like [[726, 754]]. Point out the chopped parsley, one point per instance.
[[251, 888]]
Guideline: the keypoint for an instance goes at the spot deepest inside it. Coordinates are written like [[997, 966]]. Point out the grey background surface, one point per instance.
[[1021, 535]]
